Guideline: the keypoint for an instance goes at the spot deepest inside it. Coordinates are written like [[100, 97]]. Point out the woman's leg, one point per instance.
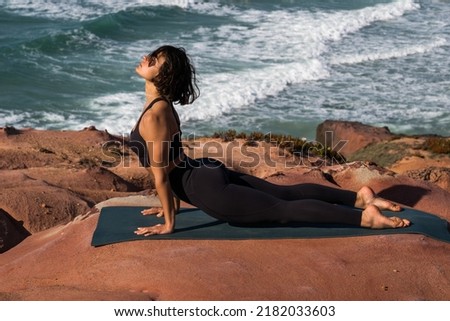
[[295, 192], [210, 188], [363, 198], [213, 190]]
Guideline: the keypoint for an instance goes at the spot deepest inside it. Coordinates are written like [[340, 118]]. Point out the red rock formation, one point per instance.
[[347, 137], [50, 180]]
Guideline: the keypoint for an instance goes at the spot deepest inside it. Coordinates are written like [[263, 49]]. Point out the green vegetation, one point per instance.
[[294, 145], [383, 154], [437, 145]]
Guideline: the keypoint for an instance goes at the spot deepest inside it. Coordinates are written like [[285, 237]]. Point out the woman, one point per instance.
[[207, 184]]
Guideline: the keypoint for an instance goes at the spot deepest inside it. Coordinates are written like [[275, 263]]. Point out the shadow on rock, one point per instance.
[[404, 194], [12, 232]]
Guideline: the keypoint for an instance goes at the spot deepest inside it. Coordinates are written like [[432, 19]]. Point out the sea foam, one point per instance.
[[276, 50], [398, 52], [90, 9]]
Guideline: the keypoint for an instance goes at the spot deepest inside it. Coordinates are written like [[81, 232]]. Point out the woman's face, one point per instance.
[[149, 66]]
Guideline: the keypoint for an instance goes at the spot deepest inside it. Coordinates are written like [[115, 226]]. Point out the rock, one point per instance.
[[46, 184], [45, 197], [42, 206], [437, 175], [359, 173], [347, 137], [48, 178], [134, 200], [171, 270], [419, 194], [9, 130]]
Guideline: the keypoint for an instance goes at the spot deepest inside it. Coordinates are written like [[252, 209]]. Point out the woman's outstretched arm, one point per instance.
[[154, 129]]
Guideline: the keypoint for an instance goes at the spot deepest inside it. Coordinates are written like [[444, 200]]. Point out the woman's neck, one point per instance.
[[151, 92]]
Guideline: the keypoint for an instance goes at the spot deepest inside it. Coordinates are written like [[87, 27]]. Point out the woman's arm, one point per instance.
[[155, 130]]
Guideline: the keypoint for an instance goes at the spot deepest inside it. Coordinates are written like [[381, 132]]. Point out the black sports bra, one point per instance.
[[139, 145]]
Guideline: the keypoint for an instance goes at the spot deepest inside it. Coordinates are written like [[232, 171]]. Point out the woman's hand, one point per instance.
[[154, 230], [158, 211]]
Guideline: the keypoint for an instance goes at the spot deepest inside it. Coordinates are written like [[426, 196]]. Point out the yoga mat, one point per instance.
[[117, 224]]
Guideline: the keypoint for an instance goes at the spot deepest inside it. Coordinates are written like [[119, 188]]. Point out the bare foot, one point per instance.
[[373, 218], [366, 196]]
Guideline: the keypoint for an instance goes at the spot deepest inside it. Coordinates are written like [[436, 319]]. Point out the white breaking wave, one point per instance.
[[394, 53], [262, 53], [43, 120], [272, 51], [225, 92], [9, 118], [91, 9], [117, 113], [279, 35]]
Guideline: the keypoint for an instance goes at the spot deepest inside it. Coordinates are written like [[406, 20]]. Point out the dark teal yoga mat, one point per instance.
[[117, 224]]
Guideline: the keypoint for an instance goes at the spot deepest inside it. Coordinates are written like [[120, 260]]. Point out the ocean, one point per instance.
[[270, 66]]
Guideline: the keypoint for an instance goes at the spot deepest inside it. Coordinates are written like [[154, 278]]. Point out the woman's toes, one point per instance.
[[399, 222], [373, 218], [383, 204]]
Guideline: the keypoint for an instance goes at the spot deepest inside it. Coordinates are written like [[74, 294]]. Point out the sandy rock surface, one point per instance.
[[54, 183]]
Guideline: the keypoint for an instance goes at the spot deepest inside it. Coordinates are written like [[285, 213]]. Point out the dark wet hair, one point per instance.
[[176, 79]]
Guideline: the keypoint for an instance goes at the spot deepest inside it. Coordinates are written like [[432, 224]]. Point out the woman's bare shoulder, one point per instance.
[[158, 112], [156, 122]]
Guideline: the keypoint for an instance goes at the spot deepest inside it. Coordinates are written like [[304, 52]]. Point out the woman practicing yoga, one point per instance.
[[220, 192]]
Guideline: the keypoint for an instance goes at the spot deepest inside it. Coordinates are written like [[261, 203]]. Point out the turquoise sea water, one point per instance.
[[272, 66]]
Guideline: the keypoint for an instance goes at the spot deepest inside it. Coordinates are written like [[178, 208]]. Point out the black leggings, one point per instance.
[[244, 199]]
